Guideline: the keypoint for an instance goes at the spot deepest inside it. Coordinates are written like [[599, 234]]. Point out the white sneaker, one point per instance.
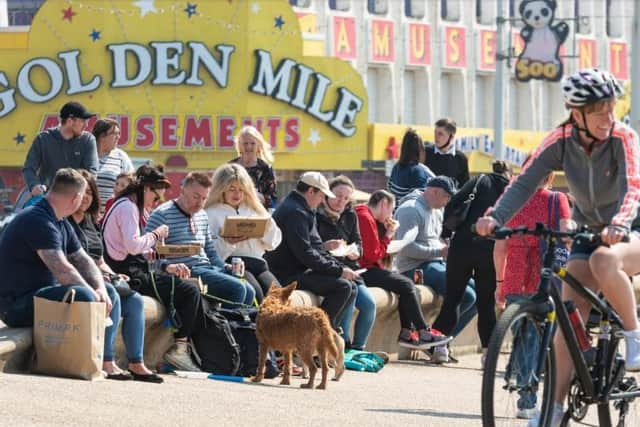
[[527, 413], [632, 343], [440, 354], [557, 413]]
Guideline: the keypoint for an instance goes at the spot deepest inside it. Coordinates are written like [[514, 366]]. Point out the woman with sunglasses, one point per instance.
[[127, 250], [129, 304]]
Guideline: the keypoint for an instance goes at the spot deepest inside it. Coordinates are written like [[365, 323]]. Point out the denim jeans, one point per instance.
[[224, 286], [525, 350], [132, 310], [366, 305], [434, 275], [20, 314]]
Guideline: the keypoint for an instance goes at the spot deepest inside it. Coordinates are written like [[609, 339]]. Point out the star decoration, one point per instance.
[[255, 8], [314, 137], [95, 35], [68, 14], [191, 9], [19, 138], [279, 22], [146, 6]]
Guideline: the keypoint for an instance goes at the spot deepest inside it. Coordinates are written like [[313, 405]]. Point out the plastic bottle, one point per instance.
[[584, 342]]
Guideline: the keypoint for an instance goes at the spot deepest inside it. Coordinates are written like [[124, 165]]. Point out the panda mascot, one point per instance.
[[540, 57]]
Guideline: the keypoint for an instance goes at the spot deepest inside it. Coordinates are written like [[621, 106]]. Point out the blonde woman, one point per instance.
[[255, 155], [234, 194]]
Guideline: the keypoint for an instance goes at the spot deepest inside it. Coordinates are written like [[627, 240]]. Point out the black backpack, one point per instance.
[[226, 343]]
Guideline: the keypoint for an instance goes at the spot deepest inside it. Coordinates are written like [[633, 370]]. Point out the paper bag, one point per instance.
[[69, 337]]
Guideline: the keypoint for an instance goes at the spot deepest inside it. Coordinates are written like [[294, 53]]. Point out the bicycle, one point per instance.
[[599, 373]]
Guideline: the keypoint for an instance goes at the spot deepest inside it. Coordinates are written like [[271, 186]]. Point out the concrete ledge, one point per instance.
[[16, 343]]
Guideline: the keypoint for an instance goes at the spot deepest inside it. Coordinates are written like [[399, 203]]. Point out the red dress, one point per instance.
[[522, 266]]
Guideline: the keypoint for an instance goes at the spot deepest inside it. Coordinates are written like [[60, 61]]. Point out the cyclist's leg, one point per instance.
[[612, 266], [579, 268]]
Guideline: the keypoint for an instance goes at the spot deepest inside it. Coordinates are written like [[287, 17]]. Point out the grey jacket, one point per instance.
[[50, 152], [413, 211], [605, 184]]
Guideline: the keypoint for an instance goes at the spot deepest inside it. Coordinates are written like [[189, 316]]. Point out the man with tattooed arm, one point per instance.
[[41, 256]]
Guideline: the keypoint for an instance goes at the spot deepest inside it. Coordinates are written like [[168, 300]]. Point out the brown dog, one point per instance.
[[307, 330]]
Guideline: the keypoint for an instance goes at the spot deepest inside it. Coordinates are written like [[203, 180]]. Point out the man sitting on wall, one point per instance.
[[41, 256], [188, 223], [301, 257], [427, 253]]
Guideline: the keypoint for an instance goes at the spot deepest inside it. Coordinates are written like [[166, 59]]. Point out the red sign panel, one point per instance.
[[344, 37], [418, 44], [487, 59], [587, 53], [618, 60], [455, 47], [381, 47]]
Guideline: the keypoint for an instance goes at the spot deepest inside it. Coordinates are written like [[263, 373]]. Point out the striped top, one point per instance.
[[183, 229], [111, 165], [405, 179]]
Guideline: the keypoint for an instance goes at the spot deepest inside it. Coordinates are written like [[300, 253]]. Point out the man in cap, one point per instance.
[[424, 210], [66, 146], [301, 256]]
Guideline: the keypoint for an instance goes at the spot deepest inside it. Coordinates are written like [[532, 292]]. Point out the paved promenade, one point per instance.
[[402, 394]]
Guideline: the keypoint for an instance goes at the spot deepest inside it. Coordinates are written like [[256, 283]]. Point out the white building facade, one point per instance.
[[426, 59]]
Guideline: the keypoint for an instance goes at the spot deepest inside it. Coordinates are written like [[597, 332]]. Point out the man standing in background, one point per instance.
[[442, 157], [65, 146]]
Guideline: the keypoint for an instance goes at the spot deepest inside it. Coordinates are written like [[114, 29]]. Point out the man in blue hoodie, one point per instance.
[[424, 210], [65, 146]]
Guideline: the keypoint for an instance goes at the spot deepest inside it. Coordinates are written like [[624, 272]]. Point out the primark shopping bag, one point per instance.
[[69, 337]]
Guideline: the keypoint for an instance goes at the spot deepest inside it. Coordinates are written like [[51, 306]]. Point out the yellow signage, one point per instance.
[[182, 78], [475, 142]]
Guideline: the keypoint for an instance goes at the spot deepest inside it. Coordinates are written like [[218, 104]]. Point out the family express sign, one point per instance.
[[182, 78]]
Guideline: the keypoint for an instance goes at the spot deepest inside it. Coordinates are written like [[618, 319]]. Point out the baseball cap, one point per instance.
[[75, 110], [444, 182], [152, 177], [317, 180]]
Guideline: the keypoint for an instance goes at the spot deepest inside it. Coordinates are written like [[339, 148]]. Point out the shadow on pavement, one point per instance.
[[428, 413]]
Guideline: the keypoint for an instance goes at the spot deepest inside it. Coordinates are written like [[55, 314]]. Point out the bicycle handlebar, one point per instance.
[[583, 235]]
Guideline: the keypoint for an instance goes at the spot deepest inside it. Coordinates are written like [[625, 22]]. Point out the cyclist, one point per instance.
[[601, 160]]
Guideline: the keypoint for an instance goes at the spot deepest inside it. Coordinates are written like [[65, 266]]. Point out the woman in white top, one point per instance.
[[234, 194]]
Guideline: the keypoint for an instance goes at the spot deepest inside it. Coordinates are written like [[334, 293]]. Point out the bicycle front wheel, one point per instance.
[[511, 389]]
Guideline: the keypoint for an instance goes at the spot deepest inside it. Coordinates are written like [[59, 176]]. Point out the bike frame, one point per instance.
[[552, 310]]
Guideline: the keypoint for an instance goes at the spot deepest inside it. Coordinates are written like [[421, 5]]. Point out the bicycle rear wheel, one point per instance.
[[509, 383]]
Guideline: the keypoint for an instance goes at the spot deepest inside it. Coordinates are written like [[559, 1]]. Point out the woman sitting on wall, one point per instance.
[[234, 194], [127, 251], [128, 303], [338, 226]]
